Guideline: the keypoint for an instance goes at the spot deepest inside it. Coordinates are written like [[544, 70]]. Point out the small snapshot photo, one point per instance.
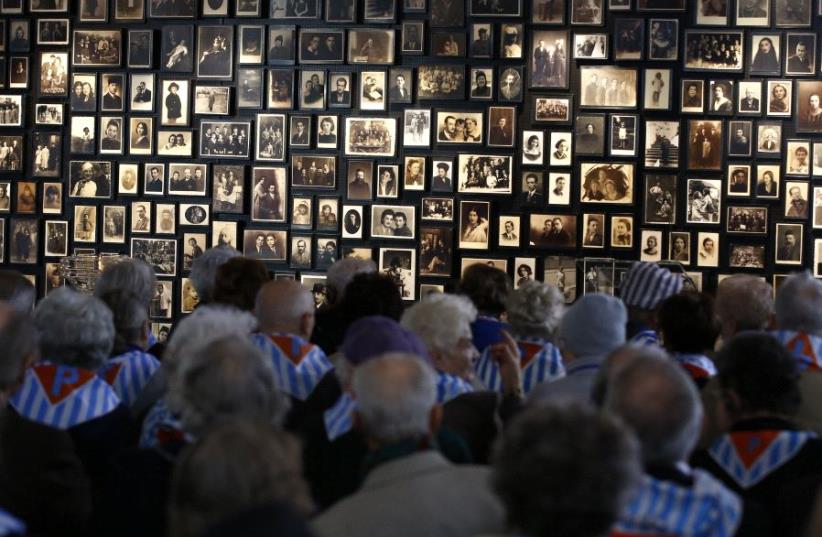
[[509, 231], [561, 271], [747, 220], [622, 234], [593, 226], [714, 50], [746, 256], [436, 251], [797, 158], [387, 180], [707, 244], [414, 173], [24, 241], [608, 87], [789, 244], [474, 225], [692, 96], [590, 46], [560, 147], [90, 179], [704, 201], [56, 238], [705, 144], [607, 183], [533, 143], [174, 142], [438, 209], [623, 135], [114, 224], [553, 231], [662, 140], [809, 106], [486, 174], [160, 254], [393, 221], [559, 188], [85, 223], [598, 275], [800, 51], [127, 178], [225, 139], [651, 245], [264, 244], [270, 195], [352, 221], [780, 94], [749, 97], [660, 199], [187, 179], [796, 201], [211, 100], [360, 179], [371, 46], [175, 110], [765, 54], [739, 180], [679, 247], [767, 180], [400, 265], [590, 134]]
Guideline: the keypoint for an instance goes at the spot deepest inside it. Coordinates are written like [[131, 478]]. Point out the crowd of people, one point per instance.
[[487, 411]]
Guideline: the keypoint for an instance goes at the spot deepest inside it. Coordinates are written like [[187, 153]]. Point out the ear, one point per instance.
[[435, 419], [307, 321], [732, 402]]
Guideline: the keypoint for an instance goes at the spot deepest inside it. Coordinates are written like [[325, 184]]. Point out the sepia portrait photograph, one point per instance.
[[753, 12], [662, 144], [714, 50], [747, 220], [177, 48], [360, 179], [393, 221], [660, 199], [269, 197], [317, 171], [187, 179], [486, 174], [553, 231], [399, 264], [767, 181], [371, 46], [174, 143], [97, 48], [227, 188], [739, 180], [211, 100], [291, 9], [809, 106], [114, 224], [270, 137], [352, 221], [374, 136], [474, 225], [282, 44], [608, 87], [548, 59], [441, 82], [606, 183], [650, 244], [438, 209], [373, 91], [127, 179], [593, 226], [225, 139], [215, 52], [387, 180], [90, 179], [765, 54], [704, 144], [414, 173], [746, 256], [749, 97], [264, 244], [46, 154], [679, 247], [459, 127], [555, 110], [24, 240], [800, 51], [175, 109], [788, 244]]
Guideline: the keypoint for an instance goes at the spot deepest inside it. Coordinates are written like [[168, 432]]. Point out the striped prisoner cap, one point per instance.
[[646, 285]]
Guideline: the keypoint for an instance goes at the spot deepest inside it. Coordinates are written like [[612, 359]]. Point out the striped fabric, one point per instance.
[[806, 348], [63, 396], [540, 361], [751, 456], [698, 366], [160, 426], [298, 365], [128, 373], [660, 508], [338, 419], [645, 338], [10, 525], [646, 285]]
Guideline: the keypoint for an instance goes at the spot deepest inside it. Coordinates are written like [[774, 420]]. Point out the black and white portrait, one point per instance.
[[660, 199], [608, 87], [89, 179], [548, 59], [177, 51], [215, 51]]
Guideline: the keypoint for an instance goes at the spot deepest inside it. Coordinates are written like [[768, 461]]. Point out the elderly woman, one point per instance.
[[534, 311]]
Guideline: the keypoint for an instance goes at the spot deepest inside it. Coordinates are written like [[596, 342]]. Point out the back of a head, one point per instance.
[[744, 301], [761, 372], [395, 394], [799, 304], [74, 329], [229, 379], [129, 315], [534, 309], [655, 397], [342, 272], [371, 294], [565, 471], [134, 275], [204, 270], [593, 326], [237, 282], [688, 323], [16, 291], [19, 345], [440, 320], [487, 287], [280, 305], [232, 469]]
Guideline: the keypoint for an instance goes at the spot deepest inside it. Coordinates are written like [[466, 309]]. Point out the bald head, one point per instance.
[[285, 306]]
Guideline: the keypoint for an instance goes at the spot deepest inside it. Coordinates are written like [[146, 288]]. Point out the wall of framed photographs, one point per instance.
[[427, 135]]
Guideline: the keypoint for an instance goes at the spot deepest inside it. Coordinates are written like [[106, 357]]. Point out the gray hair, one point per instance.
[[395, 394], [799, 304], [658, 400], [16, 290], [75, 329], [534, 309], [440, 320], [341, 273], [203, 274], [565, 470], [19, 342], [228, 379], [130, 316], [745, 300], [235, 467], [128, 274]]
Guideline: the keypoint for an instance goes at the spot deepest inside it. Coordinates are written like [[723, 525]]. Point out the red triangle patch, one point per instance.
[[110, 375], [801, 344], [695, 371], [60, 381], [528, 352], [293, 350], [750, 445]]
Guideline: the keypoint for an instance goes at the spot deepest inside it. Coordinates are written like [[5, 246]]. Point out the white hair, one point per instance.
[[75, 329], [746, 300], [203, 274], [395, 394], [340, 274], [128, 274], [799, 304], [440, 320], [534, 309]]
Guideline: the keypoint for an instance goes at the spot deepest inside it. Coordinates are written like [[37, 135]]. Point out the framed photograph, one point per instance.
[[800, 50], [589, 135], [52, 198], [174, 143], [767, 181], [140, 217], [225, 139], [49, 32], [346, 10], [747, 220], [533, 143], [459, 127], [817, 159], [792, 13], [739, 180], [606, 183], [692, 96], [327, 211], [445, 43], [270, 195], [438, 209], [817, 256], [746, 256], [482, 40], [740, 138], [704, 50], [559, 188], [484, 174], [161, 254], [441, 82], [590, 46], [216, 8], [54, 74], [86, 54], [593, 225], [140, 49], [400, 85], [753, 13], [511, 41], [360, 179], [662, 144], [112, 140], [441, 172], [283, 9], [552, 109], [509, 230], [393, 221], [506, 8], [177, 48], [651, 245], [413, 33], [252, 44], [788, 244], [85, 223], [44, 114], [531, 194], [712, 12], [482, 80], [154, 179], [176, 10], [705, 144], [352, 221], [270, 137], [553, 231], [212, 100], [373, 91], [707, 244], [264, 244], [313, 171], [587, 13], [322, 45], [416, 127], [281, 89], [660, 5], [13, 146], [704, 201], [215, 52], [749, 97], [817, 208], [547, 12], [679, 247], [548, 60], [809, 106], [227, 188], [387, 180], [663, 39], [769, 139], [608, 87], [796, 201], [780, 93], [450, 14], [436, 253], [400, 265], [414, 173], [26, 200], [175, 108], [224, 234], [474, 221], [501, 126], [660, 199], [187, 179], [302, 212], [797, 158], [623, 135], [18, 72], [622, 231], [5, 197], [11, 107], [114, 224], [250, 93], [89, 179], [629, 38], [339, 93], [141, 131], [282, 44], [525, 268], [371, 46], [248, 8], [141, 96], [721, 97], [657, 89], [127, 179], [373, 136], [765, 54]]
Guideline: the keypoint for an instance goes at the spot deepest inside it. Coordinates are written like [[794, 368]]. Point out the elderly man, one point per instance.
[[590, 329], [689, 330], [799, 319], [552, 461], [204, 270], [130, 275], [16, 291], [285, 316], [763, 455], [410, 490], [644, 288], [655, 398], [534, 311], [743, 302]]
